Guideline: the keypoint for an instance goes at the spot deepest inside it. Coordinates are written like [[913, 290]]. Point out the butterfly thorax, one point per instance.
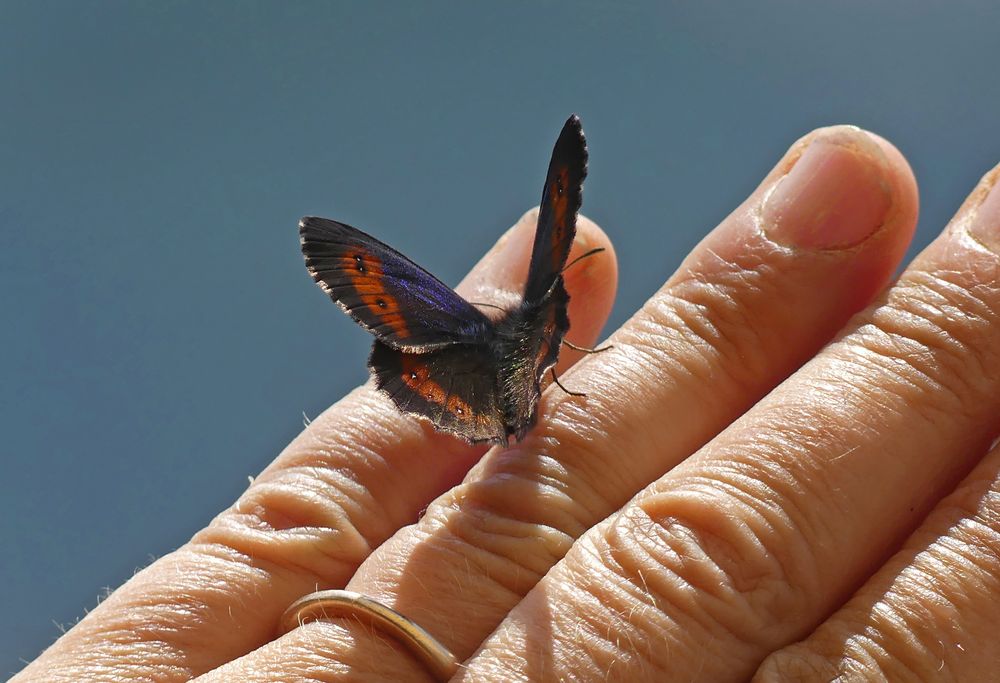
[[528, 340]]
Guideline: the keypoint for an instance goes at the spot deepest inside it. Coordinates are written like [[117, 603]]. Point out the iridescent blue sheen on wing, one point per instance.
[[398, 301], [436, 299]]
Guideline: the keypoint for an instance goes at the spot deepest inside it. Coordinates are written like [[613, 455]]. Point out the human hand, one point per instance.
[[805, 538]]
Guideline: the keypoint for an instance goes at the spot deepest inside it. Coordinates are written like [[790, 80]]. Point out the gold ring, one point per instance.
[[338, 603]]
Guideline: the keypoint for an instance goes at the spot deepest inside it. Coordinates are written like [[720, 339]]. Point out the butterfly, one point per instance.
[[435, 354]]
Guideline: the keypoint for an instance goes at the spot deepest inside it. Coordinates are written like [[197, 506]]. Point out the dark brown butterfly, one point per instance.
[[435, 354]]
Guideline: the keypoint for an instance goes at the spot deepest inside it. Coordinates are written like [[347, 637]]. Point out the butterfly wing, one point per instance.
[[562, 197], [454, 387], [398, 301]]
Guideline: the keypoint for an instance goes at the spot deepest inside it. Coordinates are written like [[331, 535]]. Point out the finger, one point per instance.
[[592, 283], [359, 472], [746, 307], [752, 542], [930, 614]]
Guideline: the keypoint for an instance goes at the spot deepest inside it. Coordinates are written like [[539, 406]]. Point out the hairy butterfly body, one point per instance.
[[435, 354]]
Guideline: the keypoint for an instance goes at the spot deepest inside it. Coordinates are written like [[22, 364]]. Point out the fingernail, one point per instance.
[[835, 196], [986, 223]]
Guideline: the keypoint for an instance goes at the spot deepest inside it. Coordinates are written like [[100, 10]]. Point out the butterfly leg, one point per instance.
[[480, 303], [586, 350], [555, 378]]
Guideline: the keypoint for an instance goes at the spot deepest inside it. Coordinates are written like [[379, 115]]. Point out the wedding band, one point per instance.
[[331, 604]]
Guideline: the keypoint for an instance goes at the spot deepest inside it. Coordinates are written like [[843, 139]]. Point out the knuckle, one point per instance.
[[303, 519], [679, 543], [796, 664], [800, 664], [514, 522]]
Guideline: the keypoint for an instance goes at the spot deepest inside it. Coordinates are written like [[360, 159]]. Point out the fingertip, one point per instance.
[[499, 276], [904, 190], [592, 284], [596, 272], [877, 170]]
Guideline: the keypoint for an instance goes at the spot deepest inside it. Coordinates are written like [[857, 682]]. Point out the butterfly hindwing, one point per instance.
[[455, 387], [562, 197], [398, 301]]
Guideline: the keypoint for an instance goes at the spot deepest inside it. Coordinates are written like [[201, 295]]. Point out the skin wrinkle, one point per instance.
[[483, 551], [635, 601], [916, 315], [687, 557], [315, 552], [762, 493], [777, 453], [975, 544], [946, 325], [750, 277], [912, 379], [148, 617], [584, 426], [329, 644], [601, 624], [878, 363], [720, 357], [523, 549], [587, 482], [911, 642], [899, 655], [319, 497], [916, 603], [678, 587], [304, 499], [759, 583], [763, 519], [557, 498], [817, 480]]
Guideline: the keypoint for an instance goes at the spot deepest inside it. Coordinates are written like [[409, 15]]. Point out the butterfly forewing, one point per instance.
[[562, 197], [397, 300]]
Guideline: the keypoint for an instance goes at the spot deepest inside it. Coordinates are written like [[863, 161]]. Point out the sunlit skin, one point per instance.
[[781, 471]]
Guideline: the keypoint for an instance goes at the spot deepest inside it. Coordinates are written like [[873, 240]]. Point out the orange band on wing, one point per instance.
[[366, 275], [559, 198], [416, 375]]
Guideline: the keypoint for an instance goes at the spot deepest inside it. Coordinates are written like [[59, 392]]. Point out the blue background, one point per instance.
[[159, 337]]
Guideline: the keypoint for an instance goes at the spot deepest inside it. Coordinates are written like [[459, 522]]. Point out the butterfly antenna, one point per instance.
[[555, 378], [579, 258], [585, 349]]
